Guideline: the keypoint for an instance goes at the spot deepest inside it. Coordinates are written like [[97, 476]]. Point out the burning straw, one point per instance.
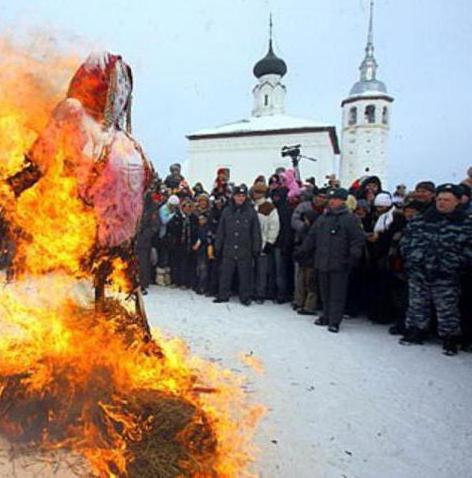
[[78, 375]]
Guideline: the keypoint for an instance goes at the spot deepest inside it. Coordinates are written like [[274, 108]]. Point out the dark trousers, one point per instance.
[[202, 271], [243, 269], [214, 276], [333, 289], [182, 267], [260, 283], [145, 266], [279, 272]]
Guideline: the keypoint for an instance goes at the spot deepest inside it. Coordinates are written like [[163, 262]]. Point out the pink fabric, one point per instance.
[[291, 183], [111, 170]]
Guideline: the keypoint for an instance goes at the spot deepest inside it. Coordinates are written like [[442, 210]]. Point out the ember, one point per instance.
[[80, 370]]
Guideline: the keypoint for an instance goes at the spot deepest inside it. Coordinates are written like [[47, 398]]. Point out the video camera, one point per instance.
[[293, 152]]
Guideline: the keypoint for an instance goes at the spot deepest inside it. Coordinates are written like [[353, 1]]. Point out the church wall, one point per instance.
[[249, 156]]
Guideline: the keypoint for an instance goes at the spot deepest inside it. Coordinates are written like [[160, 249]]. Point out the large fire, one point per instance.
[[73, 376]]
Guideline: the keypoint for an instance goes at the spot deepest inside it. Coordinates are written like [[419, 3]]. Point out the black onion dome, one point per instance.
[[271, 64]]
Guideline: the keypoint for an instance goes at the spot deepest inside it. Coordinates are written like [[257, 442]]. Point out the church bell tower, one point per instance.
[[366, 120]]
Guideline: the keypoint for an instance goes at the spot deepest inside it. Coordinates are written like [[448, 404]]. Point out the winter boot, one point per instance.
[[160, 276], [167, 279], [412, 336], [450, 345]]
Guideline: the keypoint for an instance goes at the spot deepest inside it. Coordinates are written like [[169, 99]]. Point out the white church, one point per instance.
[[252, 146]]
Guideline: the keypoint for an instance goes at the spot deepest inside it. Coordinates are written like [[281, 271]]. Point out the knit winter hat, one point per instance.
[[383, 200]]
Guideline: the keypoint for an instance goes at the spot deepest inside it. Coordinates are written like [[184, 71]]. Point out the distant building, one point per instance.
[[252, 146], [366, 121]]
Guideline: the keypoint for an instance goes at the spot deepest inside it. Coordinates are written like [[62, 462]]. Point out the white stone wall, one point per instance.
[[365, 146], [249, 156]]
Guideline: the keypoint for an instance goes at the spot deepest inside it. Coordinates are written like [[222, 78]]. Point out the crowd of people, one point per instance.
[[403, 259]]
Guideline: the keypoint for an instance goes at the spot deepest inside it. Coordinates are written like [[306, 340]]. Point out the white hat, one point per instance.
[[383, 200], [173, 200]]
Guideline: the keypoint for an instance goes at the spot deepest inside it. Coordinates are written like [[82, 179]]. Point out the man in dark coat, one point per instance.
[[437, 249], [238, 242], [337, 239]]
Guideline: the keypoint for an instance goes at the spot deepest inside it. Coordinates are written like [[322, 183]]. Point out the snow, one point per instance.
[[356, 404], [352, 405], [261, 123]]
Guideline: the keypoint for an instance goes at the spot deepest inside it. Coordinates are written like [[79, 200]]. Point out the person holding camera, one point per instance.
[[337, 238]]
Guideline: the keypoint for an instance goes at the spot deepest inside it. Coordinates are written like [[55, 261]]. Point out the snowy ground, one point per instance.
[[352, 405]]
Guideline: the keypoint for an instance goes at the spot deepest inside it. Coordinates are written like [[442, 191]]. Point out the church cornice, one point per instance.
[[331, 130], [354, 99]]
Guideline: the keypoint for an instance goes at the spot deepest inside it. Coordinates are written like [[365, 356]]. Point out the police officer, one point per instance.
[[437, 248], [238, 242], [337, 239]]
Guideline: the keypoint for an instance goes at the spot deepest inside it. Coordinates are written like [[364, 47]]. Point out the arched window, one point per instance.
[[385, 115], [352, 116], [266, 100], [370, 114]]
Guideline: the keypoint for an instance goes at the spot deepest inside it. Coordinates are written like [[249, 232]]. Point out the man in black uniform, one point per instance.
[[238, 241]]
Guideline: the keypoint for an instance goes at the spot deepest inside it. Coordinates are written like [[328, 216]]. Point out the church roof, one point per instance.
[[267, 125], [260, 124]]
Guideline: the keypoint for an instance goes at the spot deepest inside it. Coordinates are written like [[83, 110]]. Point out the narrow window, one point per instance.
[[385, 115], [352, 116], [370, 114], [266, 100]]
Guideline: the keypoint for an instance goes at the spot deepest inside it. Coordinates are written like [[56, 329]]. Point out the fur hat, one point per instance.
[[338, 193], [259, 187]]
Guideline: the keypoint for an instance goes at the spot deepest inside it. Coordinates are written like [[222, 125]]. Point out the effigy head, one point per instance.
[[103, 84]]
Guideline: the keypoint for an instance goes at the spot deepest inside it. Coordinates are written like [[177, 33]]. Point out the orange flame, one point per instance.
[[51, 338]]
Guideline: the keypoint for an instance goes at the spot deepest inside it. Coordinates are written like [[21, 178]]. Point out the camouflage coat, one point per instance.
[[438, 246]]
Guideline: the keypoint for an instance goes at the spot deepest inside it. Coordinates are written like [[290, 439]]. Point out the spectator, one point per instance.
[[183, 236], [337, 239], [238, 242], [166, 213], [424, 193], [279, 265], [270, 226], [437, 248]]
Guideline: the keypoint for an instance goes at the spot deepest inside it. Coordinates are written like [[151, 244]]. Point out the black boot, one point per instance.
[[334, 328], [412, 336], [450, 345], [321, 321], [220, 300]]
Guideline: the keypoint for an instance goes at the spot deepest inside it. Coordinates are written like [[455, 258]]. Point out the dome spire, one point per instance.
[[368, 66], [271, 63]]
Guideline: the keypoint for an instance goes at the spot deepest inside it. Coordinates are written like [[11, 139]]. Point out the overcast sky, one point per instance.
[[193, 63]]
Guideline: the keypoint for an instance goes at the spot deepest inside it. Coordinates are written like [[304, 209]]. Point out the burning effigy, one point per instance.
[[80, 369]]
